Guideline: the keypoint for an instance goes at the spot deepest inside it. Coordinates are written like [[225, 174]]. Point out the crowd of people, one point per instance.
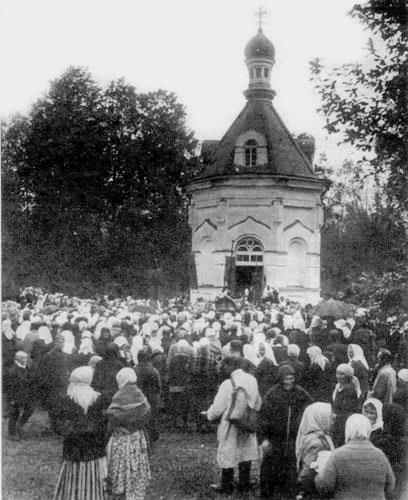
[[330, 396]]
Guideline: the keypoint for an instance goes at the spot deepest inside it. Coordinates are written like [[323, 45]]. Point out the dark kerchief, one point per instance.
[[129, 408]]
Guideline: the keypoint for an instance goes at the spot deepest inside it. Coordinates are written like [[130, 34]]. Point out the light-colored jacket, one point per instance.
[[356, 471], [234, 445]]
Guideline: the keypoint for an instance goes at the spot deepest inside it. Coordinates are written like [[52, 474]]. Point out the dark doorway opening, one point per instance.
[[250, 277]]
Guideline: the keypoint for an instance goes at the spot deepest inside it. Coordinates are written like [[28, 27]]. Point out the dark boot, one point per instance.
[[244, 481], [227, 482]]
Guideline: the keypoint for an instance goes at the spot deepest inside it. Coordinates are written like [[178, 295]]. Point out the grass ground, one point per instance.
[[183, 465]]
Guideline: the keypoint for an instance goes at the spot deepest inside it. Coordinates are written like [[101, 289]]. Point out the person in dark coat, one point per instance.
[[395, 446], [337, 347], [360, 366], [179, 381], [267, 369], [401, 396], [102, 343], [148, 381], [317, 378], [53, 376], [294, 352], [279, 419], [345, 401], [104, 379], [18, 384], [80, 420]]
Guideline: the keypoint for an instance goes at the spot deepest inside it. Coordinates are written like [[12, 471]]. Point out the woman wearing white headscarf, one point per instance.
[[359, 364], [127, 451], [267, 368], [313, 437], [373, 410], [318, 375], [81, 422], [357, 470]]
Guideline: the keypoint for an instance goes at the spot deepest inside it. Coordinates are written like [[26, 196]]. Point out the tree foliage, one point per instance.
[[367, 103], [94, 187]]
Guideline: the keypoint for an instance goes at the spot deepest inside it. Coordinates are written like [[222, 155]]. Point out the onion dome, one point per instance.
[[259, 47]]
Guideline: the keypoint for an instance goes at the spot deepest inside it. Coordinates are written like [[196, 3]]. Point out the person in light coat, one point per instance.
[[235, 446]]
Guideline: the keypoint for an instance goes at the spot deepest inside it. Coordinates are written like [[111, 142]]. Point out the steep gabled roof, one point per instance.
[[285, 158]]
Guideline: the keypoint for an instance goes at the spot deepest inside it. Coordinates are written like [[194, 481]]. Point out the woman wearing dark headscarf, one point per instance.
[[345, 400], [395, 446], [280, 415], [127, 450], [81, 422], [104, 340], [104, 379]]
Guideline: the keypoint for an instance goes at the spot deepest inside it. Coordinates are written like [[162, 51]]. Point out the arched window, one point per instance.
[[249, 252], [250, 153]]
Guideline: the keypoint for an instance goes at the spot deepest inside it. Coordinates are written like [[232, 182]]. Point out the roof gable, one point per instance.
[[284, 155]]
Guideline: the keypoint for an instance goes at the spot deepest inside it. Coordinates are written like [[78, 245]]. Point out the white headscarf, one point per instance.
[[358, 355], [6, 329], [379, 424], [316, 357], [69, 342], [125, 376], [79, 388], [269, 354], [357, 427], [45, 334], [250, 354], [86, 346], [293, 349], [317, 418], [22, 331]]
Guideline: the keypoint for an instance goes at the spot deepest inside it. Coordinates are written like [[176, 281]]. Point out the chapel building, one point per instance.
[[255, 210]]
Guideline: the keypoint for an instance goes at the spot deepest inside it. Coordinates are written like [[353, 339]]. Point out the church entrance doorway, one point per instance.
[[249, 271]]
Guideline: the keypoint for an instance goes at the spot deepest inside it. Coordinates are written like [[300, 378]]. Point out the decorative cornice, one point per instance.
[[297, 221], [206, 221], [249, 217]]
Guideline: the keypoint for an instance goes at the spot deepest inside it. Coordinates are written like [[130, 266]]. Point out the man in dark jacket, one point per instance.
[[18, 387]]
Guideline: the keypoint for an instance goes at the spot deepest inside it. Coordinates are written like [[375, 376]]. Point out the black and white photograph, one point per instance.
[[204, 221]]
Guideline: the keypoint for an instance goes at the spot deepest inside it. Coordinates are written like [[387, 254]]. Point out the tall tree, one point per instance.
[[368, 103], [100, 176]]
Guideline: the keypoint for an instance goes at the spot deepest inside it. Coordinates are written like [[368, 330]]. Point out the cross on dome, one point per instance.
[[259, 14]]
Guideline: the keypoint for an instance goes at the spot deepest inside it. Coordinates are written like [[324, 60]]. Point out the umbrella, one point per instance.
[[333, 308]]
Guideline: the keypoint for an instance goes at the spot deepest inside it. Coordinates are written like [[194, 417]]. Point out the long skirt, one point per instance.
[[128, 465], [82, 480]]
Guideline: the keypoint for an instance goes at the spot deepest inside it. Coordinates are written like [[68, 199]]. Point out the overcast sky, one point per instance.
[[192, 47]]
